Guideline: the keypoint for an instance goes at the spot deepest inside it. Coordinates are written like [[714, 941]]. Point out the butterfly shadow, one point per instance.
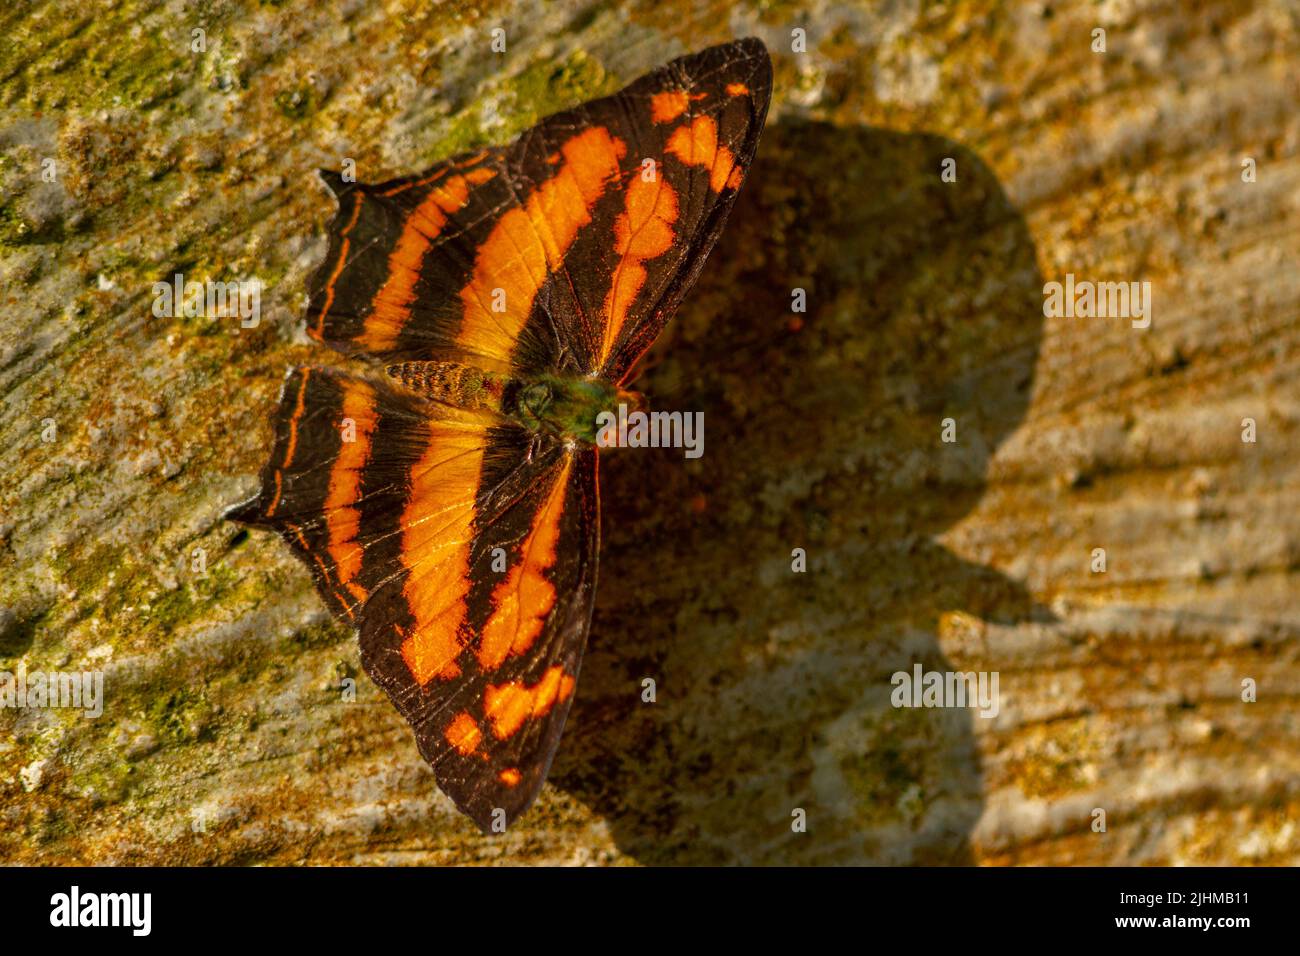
[[823, 432]]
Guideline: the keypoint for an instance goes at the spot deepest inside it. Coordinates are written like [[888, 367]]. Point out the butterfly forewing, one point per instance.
[[691, 130], [490, 721]]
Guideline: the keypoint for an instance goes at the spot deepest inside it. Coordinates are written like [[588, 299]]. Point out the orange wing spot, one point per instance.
[[737, 89], [437, 528], [668, 105], [510, 776], [697, 145], [343, 520], [521, 602], [463, 733], [392, 308], [507, 706], [529, 241], [293, 440], [644, 230], [736, 178]]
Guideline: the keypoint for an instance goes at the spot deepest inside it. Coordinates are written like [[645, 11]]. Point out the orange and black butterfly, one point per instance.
[[448, 507]]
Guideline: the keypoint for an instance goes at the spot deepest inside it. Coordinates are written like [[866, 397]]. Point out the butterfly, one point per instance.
[[447, 501]]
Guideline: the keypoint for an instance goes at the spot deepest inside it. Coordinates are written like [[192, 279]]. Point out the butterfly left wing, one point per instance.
[[396, 280], [566, 250], [464, 551], [691, 129]]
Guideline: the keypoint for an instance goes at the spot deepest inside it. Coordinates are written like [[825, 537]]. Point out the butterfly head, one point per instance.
[[535, 401], [569, 407]]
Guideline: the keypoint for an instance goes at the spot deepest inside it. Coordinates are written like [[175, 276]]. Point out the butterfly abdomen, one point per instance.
[[461, 385]]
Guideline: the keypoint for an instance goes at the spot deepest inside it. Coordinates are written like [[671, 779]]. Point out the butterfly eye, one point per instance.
[[537, 398]]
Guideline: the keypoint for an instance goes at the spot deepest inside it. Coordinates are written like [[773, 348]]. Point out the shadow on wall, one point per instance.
[[822, 432]]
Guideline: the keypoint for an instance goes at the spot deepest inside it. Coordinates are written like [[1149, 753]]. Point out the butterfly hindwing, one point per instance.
[[565, 250], [395, 251], [312, 485], [463, 549]]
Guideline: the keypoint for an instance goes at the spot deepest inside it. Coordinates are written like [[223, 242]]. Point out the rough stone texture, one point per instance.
[[225, 737]]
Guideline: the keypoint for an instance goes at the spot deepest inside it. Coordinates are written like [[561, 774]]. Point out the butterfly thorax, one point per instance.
[[566, 406]]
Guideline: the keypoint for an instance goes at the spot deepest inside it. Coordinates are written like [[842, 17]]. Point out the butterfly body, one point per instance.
[[455, 383], [564, 406], [568, 407], [448, 510]]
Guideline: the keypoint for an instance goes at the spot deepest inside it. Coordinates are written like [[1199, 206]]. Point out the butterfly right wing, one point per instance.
[[486, 668], [463, 549]]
